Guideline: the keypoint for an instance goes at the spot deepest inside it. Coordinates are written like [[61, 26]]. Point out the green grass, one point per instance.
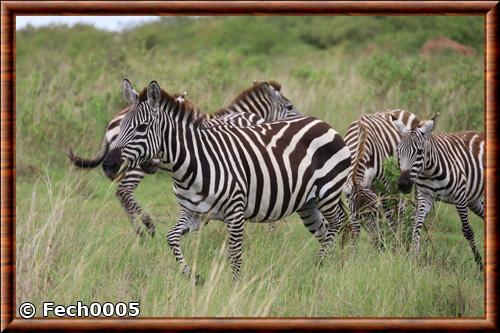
[[74, 242]]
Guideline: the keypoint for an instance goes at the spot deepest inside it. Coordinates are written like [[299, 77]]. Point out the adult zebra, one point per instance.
[[444, 167], [260, 172], [263, 101], [371, 140]]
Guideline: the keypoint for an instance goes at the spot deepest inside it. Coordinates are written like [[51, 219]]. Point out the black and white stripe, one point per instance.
[[258, 173], [263, 101], [444, 167], [371, 140]]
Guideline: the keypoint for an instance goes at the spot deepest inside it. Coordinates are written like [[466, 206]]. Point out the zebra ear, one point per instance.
[[399, 124], [154, 95], [429, 126], [275, 85], [129, 93]]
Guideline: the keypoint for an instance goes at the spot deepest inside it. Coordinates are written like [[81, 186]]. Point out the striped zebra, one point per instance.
[[263, 101], [444, 167], [371, 140], [258, 173]]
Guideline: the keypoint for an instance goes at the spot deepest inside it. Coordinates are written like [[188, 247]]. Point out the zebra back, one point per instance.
[[263, 101]]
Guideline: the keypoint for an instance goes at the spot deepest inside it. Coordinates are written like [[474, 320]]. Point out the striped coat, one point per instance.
[[258, 173], [444, 167], [371, 140], [263, 101]]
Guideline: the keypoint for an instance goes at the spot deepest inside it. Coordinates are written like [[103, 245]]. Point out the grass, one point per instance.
[[74, 242]]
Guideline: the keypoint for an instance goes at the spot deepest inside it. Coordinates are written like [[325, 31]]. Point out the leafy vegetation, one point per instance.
[[74, 242]]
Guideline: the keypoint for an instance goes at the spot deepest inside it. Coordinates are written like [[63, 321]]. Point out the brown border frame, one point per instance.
[[488, 9]]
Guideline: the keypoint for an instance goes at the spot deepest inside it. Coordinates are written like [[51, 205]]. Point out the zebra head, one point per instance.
[[411, 151], [139, 139], [283, 107], [362, 203]]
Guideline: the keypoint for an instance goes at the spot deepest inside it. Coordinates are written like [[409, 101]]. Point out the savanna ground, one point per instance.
[[74, 242]]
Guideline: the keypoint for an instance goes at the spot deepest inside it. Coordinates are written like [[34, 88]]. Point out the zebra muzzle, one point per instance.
[[121, 172]]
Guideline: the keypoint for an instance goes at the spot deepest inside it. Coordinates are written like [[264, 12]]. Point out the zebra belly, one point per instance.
[[211, 207]]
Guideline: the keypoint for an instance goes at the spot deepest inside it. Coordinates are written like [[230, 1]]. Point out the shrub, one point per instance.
[[401, 204]]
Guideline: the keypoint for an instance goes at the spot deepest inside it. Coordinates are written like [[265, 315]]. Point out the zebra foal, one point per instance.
[[258, 173], [444, 167], [263, 101]]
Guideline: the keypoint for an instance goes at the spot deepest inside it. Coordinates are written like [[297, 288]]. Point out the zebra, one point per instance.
[[371, 139], [263, 101], [444, 167], [257, 173]]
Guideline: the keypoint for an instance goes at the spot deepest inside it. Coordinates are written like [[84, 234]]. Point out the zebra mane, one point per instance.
[[187, 107], [257, 87], [194, 114], [360, 151]]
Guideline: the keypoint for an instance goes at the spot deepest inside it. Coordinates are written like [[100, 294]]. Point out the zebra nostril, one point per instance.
[[404, 185], [110, 165]]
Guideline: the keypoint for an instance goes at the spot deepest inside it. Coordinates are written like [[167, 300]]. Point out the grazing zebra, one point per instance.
[[371, 140], [263, 101], [444, 167], [259, 173]]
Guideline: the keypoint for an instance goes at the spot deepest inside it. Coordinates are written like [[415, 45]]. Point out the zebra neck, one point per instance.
[[432, 162], [244, 104], [182, 152], [175, 124]]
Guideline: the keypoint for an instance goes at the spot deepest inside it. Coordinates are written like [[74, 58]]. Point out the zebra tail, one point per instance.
[[90, 163]]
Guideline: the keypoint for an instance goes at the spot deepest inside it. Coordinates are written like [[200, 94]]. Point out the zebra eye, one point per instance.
[[142, 128]]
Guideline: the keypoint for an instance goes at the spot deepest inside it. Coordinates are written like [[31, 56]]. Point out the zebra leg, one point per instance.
[[469, 233], [389, 210], [400, 209], [125, 194], [313, 220], [335, 216], [477, 207], [354, 224], [185, 223], [424, 205], [355, 227], [235, 223]]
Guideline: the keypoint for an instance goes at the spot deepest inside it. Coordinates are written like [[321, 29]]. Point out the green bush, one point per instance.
[[402, 205], [425, 88]]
